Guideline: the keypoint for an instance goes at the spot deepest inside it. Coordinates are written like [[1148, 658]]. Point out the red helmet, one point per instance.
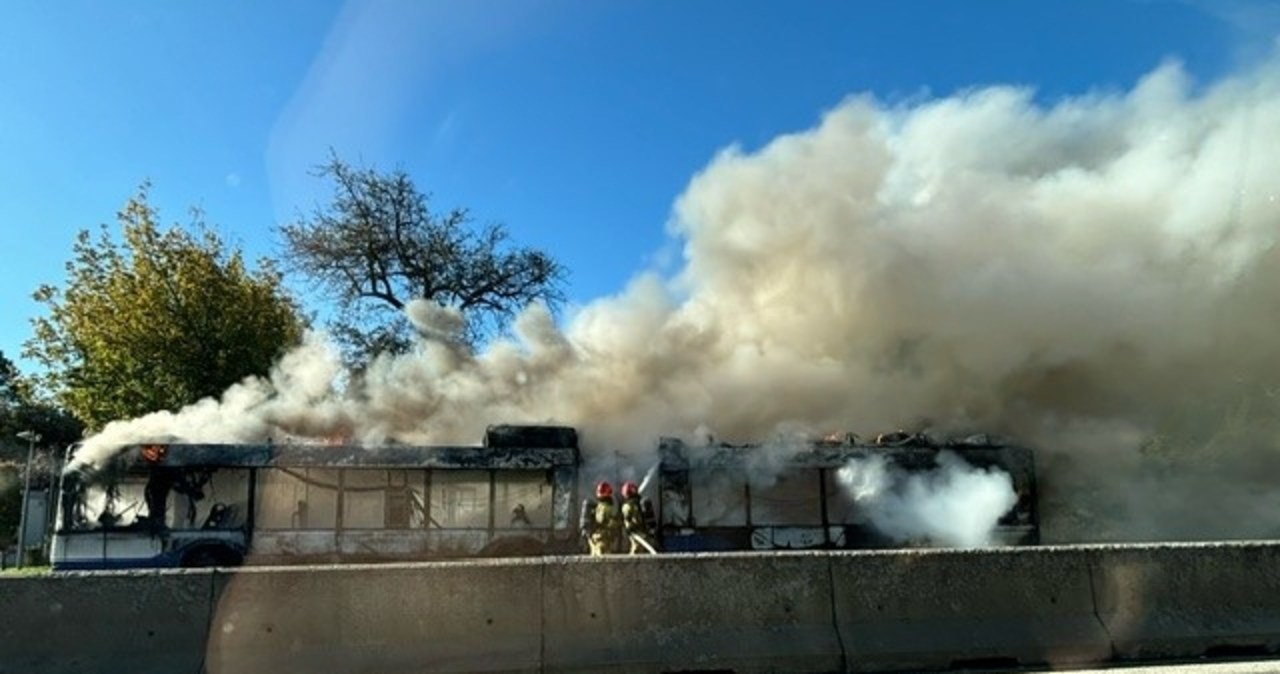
[[604, 489], [629, 489]]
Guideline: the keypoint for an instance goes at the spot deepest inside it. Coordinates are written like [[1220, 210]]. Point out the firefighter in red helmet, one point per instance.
[[601, 522], [637, 520]]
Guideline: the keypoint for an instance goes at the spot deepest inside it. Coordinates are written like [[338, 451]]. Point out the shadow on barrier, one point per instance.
[[687, 613], [483, 616], [1189, 601], [690, 613], [935, 610], [143, 621]]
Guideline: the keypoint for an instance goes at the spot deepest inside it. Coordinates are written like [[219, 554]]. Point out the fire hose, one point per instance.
[[643, 543]]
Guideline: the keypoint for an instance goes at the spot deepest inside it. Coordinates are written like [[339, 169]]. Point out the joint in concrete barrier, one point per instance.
[[1093, 598], [208, 620], [542, 619], [835, 624]]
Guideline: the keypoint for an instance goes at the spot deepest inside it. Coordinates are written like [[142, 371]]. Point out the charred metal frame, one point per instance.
[[682, 530], [507, 449], [554, 452]]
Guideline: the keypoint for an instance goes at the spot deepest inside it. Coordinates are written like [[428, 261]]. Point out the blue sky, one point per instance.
[[577, 124]]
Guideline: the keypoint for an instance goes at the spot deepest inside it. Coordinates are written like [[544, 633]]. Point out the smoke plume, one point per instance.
[[954, 504], [1097, 277]]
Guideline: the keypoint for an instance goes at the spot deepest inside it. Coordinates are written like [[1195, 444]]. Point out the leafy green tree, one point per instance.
[[10, 504], [377, 245], [157, 320], [13, 388], [19, 412]]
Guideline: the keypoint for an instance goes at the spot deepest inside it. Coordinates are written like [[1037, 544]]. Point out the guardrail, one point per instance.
[[818, 611]]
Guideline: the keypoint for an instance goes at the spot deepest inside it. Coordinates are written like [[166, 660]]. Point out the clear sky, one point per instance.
[[575, 123]]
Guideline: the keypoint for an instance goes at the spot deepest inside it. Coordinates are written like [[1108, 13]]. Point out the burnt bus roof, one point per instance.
[[520, 435], [916, 453], [354, 456], [506, 447]]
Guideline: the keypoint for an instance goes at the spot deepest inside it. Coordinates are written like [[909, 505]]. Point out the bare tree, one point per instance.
[[377, 245]]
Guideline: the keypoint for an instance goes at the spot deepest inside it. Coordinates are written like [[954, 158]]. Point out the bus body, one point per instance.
[[708, 500], [218, 505], [221, 505]]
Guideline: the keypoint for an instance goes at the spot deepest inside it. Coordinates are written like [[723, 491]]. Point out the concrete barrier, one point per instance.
[[122, 622], [435, 617], [743, 613], [936, 609], [1190, 600]]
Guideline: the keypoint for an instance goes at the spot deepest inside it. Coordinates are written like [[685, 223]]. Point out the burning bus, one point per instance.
[[718, 496], [218, 505], [194, 505]]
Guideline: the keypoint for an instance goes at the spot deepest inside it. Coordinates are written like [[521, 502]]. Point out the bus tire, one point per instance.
[[207, 556]]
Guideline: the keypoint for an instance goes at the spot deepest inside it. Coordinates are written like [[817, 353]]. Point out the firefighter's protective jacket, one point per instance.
[[606, 525], [640, 524], [633, 520], [606, 516]]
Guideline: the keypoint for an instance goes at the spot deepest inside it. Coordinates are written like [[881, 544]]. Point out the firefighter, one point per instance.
[[520, 517], [603, 523], [637, 519]]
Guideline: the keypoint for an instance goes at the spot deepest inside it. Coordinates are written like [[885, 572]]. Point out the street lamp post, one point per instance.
[[32, 438]]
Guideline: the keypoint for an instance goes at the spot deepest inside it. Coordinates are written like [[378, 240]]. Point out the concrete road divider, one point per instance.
[[119, 622], [744, 612], [741, 613], [483, 616], [1190, 600], [938, 609]]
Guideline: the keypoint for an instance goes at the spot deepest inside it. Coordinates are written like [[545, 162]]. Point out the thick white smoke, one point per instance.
[[1098, 277], [954, 504]]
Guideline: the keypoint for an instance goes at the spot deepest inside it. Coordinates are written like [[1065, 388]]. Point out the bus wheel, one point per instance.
[[207, 556]]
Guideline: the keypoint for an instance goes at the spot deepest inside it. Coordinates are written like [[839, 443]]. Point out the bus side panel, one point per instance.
[[706, 539], [457, 542], [78, 548], [284, 544], [127, 546], [790, 537], [379, 544], [93, 550]]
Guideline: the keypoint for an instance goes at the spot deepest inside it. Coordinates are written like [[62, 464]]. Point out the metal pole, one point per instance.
[[31, 438]]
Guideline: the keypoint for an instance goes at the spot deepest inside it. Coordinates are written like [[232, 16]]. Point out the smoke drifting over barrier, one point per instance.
[[1098, 278]]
